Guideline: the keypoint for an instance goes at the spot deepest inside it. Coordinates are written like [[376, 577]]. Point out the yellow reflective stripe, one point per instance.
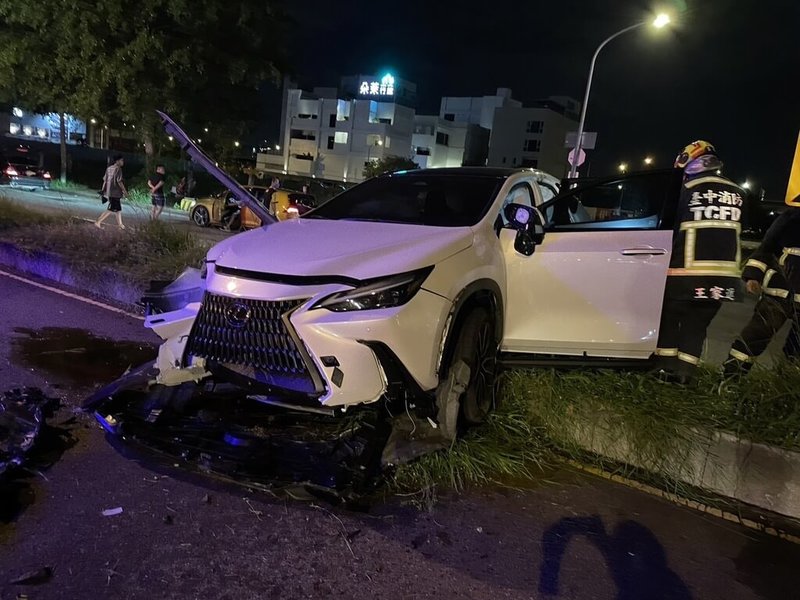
[[768, 277], [692, 360], [666, 352], [709, 179], [797, 297], [689, 247], [722, 264], [794, 251], [740, 356], [681, 272], [777, 292], [709, 224], [757, 264]]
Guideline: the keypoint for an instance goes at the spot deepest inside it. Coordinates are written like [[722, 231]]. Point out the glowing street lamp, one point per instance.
[[236, 144], [648, 160], [662, 20], [746, 185], [622, 167]]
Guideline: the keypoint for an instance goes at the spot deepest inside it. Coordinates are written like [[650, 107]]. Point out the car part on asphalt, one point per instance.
[[22, 416]]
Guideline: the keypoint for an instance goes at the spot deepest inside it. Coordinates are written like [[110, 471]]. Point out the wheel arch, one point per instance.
[[484, 293]]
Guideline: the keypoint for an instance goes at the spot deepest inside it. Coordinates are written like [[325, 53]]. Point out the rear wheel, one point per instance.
[[201, 217], [476, 345]]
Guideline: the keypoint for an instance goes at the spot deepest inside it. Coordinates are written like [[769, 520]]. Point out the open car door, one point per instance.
[[197, 155], [594, 287]]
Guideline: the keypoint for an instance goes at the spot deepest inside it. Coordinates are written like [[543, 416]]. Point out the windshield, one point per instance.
[[24, 161], [430, 199]]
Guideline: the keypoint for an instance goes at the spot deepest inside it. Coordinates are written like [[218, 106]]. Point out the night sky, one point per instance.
[[724, 72]]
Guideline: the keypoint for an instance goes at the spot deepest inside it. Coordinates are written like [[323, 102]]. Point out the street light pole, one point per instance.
[[659, 22]]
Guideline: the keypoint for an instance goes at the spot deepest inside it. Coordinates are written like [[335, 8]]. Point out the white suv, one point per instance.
[[413, 285]]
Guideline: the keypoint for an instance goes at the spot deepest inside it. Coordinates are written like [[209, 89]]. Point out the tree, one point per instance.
[[201, 61], [389, 164]]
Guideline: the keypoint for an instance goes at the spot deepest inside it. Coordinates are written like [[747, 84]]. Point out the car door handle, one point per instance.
[[642, 251]]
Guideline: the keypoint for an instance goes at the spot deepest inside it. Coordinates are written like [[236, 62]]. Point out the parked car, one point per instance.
[[224, 209], [19, 169]]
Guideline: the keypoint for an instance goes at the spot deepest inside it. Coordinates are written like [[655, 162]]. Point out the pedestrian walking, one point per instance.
[[773, 274], [113, 191], [704, 267], [156, 184]]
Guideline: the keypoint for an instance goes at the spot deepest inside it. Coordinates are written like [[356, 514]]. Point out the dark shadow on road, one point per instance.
[[635, 559]]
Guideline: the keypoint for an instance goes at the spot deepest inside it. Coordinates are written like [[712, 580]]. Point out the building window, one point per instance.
[[449, 117], [535, 127], [330, 142], [332, 120], [532, 146], [388, 142], [374, 139], [423, 151], [342, 110], [373, 111], [340, 137], [306, 116], [504, 160], [17, 112], [299, 134], [442, 139], [530, 162]]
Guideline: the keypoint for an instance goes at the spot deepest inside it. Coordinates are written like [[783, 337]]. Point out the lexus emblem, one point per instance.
[[237, 315]]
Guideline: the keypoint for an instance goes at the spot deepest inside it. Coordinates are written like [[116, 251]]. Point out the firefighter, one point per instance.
[[773, 272], [704, 268]]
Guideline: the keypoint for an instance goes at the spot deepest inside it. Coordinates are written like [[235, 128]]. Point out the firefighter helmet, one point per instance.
[[693, 151]]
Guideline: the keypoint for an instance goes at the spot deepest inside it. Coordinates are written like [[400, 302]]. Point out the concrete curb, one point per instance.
[[103, 283], [718, 462]]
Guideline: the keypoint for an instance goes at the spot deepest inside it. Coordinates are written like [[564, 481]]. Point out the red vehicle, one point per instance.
[[20, 169]]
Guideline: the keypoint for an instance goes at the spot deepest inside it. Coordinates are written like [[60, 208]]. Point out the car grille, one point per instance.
[[246, 332]]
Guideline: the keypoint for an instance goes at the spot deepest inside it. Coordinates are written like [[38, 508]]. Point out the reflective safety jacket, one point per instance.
[[776, 263], [706, 250]]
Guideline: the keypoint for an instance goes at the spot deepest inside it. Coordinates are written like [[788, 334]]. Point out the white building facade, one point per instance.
[[533, 136], [333, 133]]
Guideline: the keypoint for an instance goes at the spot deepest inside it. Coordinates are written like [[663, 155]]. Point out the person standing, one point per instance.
[[772, 273], [704, 267], [156, 184], [272, 205], [114, 190]]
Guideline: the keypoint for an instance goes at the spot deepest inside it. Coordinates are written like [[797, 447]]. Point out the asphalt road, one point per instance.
[[86, 206], [570, 536]]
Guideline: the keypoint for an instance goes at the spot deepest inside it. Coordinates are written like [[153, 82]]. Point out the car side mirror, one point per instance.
[[529, 223]]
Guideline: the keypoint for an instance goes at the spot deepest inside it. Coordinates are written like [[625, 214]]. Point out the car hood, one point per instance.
[[354, 249]]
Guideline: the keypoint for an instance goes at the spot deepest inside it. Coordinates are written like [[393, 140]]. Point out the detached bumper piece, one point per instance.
[[22, 417], [221, 432]]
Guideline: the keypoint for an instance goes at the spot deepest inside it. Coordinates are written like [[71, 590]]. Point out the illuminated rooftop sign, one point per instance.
[[384, 87]]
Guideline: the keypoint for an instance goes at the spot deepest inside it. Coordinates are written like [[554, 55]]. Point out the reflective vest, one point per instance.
[[706, 251], [776, 263]]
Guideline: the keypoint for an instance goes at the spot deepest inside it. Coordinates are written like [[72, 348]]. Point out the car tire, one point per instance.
[[476, 344], [200, 216]]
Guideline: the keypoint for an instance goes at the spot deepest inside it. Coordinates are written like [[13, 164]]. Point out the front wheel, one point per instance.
[[200, 216], [477, 346]]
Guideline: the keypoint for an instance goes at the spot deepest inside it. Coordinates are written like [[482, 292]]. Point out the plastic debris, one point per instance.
[[111, 512], [37, 577], [22, 416]]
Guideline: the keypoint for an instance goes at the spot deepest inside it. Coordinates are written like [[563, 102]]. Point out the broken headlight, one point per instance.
[[381, 293]]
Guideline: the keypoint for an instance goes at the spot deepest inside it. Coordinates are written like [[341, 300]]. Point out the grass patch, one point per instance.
[[509, 446], [152, 250], [70, 186], [548, 414], [15, 214]]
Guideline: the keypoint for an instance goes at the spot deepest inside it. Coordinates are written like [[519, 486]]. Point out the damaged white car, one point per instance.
[[403, 293]]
